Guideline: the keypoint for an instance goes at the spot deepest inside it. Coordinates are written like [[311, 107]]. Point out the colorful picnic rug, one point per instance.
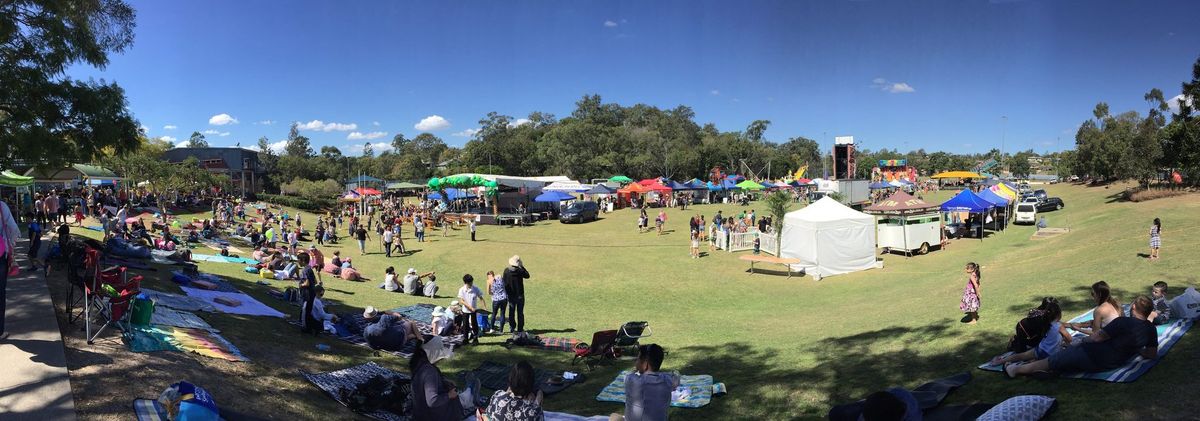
[[551, 343], [249, 306], [184, 279], [169, 338], [166, 316], [178, 302], [348, 379], [493, 375], [1168, 335], [699, 390], [223, 259], [351, 326]]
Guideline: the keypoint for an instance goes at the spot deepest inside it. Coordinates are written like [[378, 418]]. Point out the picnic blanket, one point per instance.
[[216, 258], [351, 325], [493, 375], [221, 283], [699, 390], [551, 343], [94, 228], [166, 316], [334, 382], [929, 397], [178, 302], [149, 410], [249, 306], [1168, 335], [169, 338]]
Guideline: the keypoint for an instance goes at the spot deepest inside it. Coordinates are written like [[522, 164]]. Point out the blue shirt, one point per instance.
[[387, 333], [648, 395]]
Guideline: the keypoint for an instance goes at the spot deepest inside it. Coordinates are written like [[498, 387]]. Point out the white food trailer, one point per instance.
[[906, 224]]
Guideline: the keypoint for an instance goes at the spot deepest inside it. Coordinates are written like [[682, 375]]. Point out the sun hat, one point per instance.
[[412, 271], [514, 261], [439, 311], [436, 350], [370, 312]]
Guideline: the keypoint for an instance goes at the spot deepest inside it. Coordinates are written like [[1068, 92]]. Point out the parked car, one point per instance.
[[1026, 214], [1029, 199], [1041, 195], [581, 211], [1024, 189], [1050, 204]]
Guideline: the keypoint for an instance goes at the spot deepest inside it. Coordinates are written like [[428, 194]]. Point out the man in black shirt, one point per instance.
[[514, 285], [1106, 349]]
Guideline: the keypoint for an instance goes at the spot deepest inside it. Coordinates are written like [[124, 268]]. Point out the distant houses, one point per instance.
[[240, 164]]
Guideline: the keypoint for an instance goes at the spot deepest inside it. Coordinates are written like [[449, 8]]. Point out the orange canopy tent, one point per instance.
[[633, 188], [658, 187]]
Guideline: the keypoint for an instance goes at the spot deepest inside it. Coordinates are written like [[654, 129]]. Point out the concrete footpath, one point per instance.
[[34, 384]]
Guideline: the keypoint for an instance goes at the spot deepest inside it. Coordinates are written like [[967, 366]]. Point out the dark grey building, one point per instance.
[[240, 164]]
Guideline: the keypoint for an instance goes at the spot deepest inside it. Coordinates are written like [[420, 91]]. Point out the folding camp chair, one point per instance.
[[600, 348], [631, 332], [109, 294]]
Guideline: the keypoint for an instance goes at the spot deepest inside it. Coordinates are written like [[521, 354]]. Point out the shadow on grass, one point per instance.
[[1078, 301]]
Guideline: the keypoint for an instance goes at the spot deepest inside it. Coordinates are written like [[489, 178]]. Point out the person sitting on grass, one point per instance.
[[647, 391], [389, 331], [443, 322], [1107, 309], [522, 401], [1162, 310], [1038, 336], [1109, 347], [337, 262], [412, 282], [389, 280], [434, 397], [318, 313]]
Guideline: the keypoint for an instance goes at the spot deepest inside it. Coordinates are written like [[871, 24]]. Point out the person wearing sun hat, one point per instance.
[[514, 286], [434, 397], [443, 322], [388, 330]]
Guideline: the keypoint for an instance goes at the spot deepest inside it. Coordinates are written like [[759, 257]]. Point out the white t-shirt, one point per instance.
[[470, 294], [387, 236], [389, 282], [441, 323]]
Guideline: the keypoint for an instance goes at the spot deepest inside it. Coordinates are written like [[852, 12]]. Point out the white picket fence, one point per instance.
[[736, 241], [766, 243]]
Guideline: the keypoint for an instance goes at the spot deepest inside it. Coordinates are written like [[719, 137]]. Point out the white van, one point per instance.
[[1026, 213]]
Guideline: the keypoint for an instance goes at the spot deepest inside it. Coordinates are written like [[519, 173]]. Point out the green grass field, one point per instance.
[[786, 349]]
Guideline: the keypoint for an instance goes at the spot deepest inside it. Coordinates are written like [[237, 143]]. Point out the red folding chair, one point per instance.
[[109, 294], [602, 347]]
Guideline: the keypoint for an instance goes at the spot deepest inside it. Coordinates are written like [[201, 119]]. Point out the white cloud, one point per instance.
[[265, 122], [167, 138], [431, 123], [277, 147], [466, 133], [1174, 102], [375, 123], [223, 134], [320, 126], [610, 24], [375, 147], [892, 87], [222, 119], [210, 131], [519, 122], [714, 92], [365, 136], [170, 127]]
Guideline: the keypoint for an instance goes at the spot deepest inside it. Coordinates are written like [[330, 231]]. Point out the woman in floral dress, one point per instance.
[[521, 402], [970, 297]]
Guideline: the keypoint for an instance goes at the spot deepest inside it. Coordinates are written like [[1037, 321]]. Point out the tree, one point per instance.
[[331, 152], [47, 118], [368, 150], [197, 141], [777, 205], [1018, 164], [756, 129], [297, 145]]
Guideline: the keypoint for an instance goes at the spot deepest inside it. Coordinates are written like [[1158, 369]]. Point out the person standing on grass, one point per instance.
[[970, 296], [419, 226], [514, 286], [362, 237], [396, 237], [495, 286], [470, 297], [387, 236], [1155, 238], [471, 225], [695, 245]]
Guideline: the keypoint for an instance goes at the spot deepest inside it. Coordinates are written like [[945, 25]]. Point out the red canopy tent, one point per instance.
[[658, 187], [648, 182], [367, 191]]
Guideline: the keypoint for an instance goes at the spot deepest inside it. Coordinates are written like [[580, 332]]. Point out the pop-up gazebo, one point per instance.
[[829, 238]]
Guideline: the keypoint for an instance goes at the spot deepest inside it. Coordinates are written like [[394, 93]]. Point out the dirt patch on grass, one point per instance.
[[1142, 195]]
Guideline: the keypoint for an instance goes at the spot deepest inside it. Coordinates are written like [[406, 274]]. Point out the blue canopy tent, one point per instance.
[[676, 186], [767, 185], [553, 196], [713, 187], [696, 184], [879, 185], [600, 189], [728, 184], [968, 201], [1000, 201], [453, 194]]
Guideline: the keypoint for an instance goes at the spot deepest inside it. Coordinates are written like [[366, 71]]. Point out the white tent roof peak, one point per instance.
[[825, 210]]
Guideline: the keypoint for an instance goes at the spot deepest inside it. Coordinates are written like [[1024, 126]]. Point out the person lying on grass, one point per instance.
[[389, 331], [1038, 336], [1107, 348]]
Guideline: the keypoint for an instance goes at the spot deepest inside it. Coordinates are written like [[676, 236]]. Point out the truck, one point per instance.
[[854, 193]]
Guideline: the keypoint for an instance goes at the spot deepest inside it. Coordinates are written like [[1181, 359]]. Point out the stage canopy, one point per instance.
[[567, 186], [403, 186], [451, 194]]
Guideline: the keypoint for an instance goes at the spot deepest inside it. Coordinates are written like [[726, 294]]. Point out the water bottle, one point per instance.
[[323, 347]]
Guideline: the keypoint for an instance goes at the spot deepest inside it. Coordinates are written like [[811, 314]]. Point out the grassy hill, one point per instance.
[[786, 349]]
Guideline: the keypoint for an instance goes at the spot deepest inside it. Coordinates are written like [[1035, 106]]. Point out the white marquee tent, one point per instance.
[[829, 238]]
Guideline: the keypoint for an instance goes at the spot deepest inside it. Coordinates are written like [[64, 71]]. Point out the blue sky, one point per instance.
[[937, 75]]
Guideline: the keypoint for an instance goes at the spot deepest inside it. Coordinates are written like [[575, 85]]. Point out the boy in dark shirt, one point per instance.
[[1109, 348], [1162, 310]]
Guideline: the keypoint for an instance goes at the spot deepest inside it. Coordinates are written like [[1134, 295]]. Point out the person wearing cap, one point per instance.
[[443, 322], [389, 331], [469, 296], [514, 286], [412, 282], [434, 397]]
